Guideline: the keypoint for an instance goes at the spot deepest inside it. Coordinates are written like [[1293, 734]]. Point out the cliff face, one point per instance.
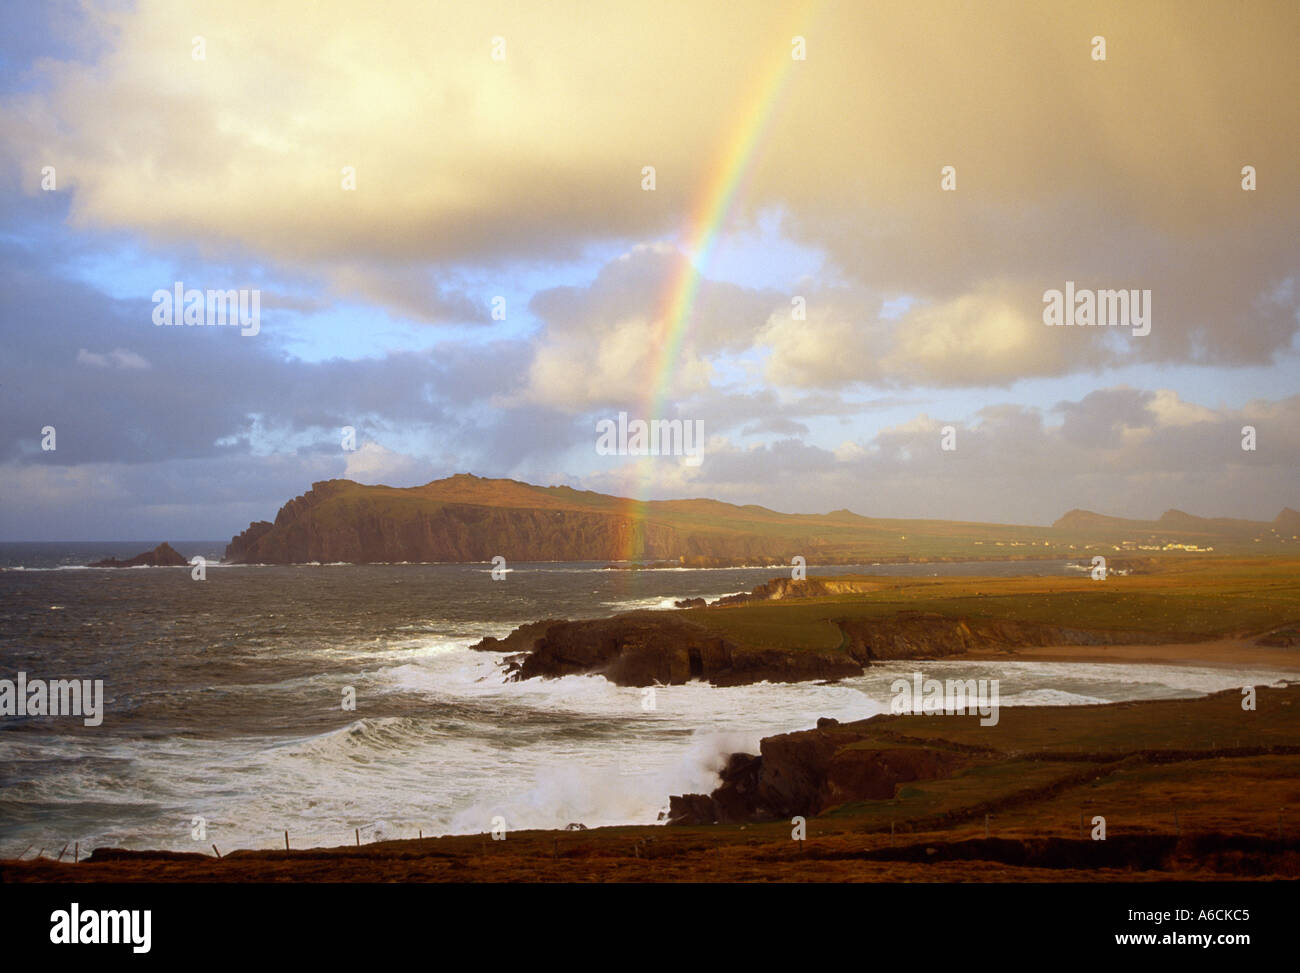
[[809, 771], [242, 545], [470, 518], [338, 520]]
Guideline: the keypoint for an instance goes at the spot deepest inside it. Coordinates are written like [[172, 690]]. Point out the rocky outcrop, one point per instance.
[[856, 774], [162, 556], [808, 772], [649, 648], [522, 639], [781, 589], [645, 648]]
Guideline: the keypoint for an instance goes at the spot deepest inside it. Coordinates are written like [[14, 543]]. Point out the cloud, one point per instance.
[[604, 344], [211, 392], [413, 291], [1017, 464], [1062, 173], [373, 463], [991, 336], [828, 349], [526, 171], [776, 425], [207, 499], [117, 358]]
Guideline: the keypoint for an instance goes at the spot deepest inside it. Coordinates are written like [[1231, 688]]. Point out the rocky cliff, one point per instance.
[[648, 648], [809, 771], [645, 648], [457, 520]]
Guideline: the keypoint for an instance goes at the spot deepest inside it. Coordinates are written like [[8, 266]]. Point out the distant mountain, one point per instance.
[[1288, 521], [1180, 523], [1086, 520], [470, 518]]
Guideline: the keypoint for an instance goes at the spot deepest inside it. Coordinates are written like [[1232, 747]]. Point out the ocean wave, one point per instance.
[[652, 603], [1050, 697]]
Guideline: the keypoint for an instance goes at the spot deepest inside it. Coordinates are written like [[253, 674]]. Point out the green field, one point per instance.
[[1196, 598]]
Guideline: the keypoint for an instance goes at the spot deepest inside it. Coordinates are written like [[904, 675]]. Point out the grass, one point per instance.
[[957, 795], [1195, 600], [1215, 722]]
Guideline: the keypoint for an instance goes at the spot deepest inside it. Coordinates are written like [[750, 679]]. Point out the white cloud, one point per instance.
[[373, 463], [464, 160], [117, 358]]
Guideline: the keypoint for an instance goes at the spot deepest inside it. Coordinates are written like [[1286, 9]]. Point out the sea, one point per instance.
[[225, 719]]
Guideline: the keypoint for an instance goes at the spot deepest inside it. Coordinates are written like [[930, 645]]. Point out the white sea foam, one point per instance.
[[636, 604], [468, 747]]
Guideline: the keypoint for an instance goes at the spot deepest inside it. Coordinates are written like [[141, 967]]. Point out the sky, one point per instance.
[[841, 265]]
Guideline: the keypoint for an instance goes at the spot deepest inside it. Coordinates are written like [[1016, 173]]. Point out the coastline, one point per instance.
[[1221, 653], [1187, 789]]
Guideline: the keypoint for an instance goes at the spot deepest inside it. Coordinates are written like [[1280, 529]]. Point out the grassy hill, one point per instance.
[[469, 518]]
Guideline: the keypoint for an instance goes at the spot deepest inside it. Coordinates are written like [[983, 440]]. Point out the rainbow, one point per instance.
[[707, 220]]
